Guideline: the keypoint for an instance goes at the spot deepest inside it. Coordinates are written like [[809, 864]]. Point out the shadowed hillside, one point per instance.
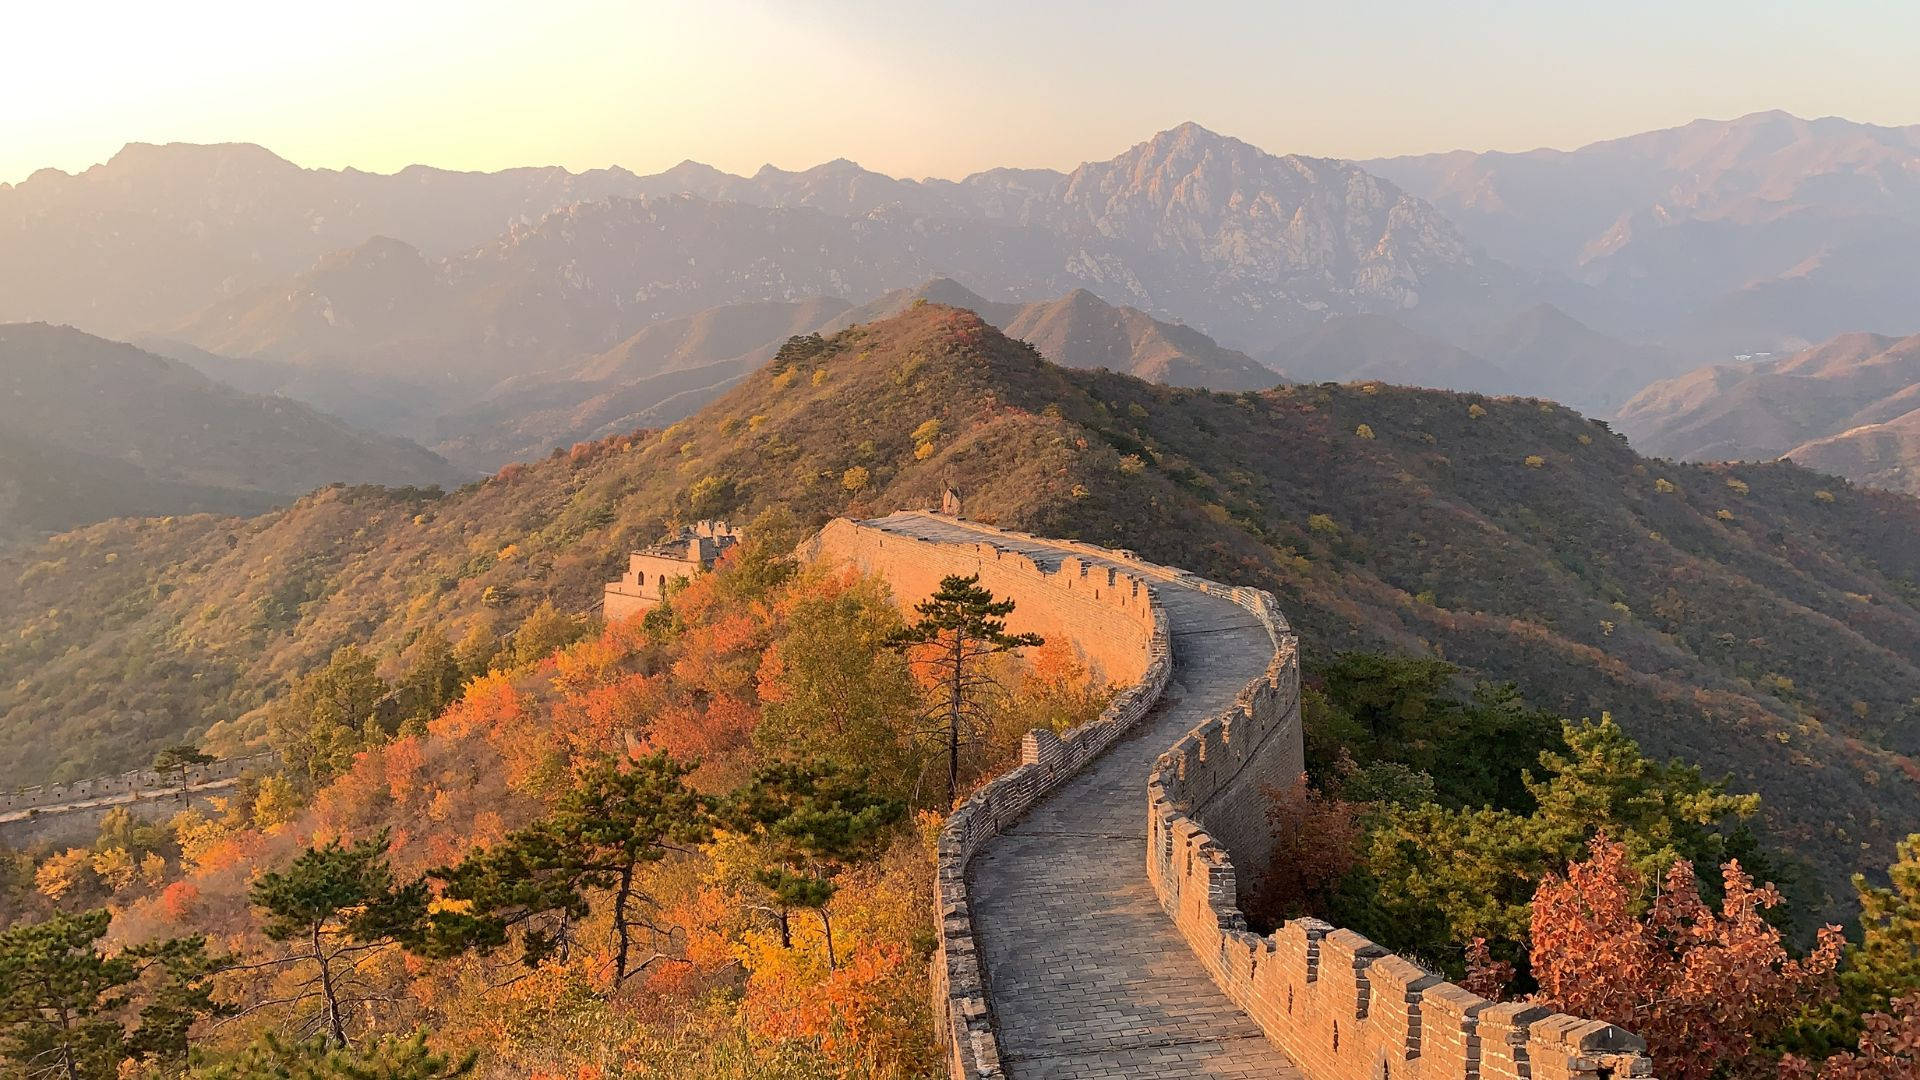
[[1850, 407], [91, 429], [1760, 620]]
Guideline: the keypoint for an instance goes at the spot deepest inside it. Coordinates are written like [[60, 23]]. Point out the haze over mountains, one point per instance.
[[91, 429], [1850, 407], [669, 370], [1717, 236], [494, 316]]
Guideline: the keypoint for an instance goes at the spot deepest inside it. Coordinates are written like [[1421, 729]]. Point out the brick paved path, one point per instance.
[[1086, 975]]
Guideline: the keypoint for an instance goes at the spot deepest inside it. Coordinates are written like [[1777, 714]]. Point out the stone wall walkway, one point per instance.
[[1086, 974]]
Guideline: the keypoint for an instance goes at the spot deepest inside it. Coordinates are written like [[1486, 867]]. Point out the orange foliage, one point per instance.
[[404, 759], [1701, 987], [179, 901], [852, 1013]]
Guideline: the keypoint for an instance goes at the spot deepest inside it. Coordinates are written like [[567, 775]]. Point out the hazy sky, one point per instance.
[[916, 88]]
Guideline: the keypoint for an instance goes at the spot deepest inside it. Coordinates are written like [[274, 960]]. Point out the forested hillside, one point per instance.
[[1760, 620]]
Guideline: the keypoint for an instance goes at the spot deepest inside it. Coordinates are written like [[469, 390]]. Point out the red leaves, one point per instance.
[[1701, 987]]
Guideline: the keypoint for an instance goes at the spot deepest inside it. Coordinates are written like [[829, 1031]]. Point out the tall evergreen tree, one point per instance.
[[176, 760], [811, 822], [617, 818], [331, 905], [327, 717], [64, 1004], [960, 626]]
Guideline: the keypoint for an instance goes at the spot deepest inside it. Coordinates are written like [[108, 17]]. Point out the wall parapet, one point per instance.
[[1338, 1005], [136, 783], [1135, 646]]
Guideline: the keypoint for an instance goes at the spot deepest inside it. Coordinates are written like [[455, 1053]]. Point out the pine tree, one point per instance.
[[433, 680], [617, 818], [331, 905], [380, 1059], [960, 626], [177, 759], [811, 822], [64, 1004], [326, 718], [1881, 969]]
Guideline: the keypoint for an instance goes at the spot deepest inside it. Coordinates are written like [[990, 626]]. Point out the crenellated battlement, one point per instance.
[[1337, 1005], [1340, 1006]]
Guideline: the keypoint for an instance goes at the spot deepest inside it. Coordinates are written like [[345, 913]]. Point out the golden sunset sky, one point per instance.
[[913, 88]]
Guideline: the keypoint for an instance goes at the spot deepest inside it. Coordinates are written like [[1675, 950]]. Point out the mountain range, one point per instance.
[[1760, 620], [672, 367], [1850, 407], [1760, 233], [91, 429]]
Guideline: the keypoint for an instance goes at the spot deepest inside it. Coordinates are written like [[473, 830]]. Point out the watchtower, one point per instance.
[[649, 571]]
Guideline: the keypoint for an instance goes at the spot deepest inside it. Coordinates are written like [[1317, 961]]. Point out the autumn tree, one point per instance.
[[65, 1004], [960, 626], [1704, 988], [618, 817], [545, 629], [830, 686], [333, 905], [810, 822], [327, 717], [1316, 841], [385, 1058]]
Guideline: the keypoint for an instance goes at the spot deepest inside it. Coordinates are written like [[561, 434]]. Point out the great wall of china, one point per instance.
[[1088, 900], [47, 812]]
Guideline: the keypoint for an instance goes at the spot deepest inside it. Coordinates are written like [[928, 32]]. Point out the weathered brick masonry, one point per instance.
[[1341, 1007], [1112, 619], [1338, 1006]]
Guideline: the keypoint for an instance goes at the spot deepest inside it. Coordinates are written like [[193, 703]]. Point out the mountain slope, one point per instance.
[[1883, 455], [1245, 246], [1775, 642], [672, 368], [147, 435], [1743, 234], [1848, 406], [159, 232], [1360, 348]]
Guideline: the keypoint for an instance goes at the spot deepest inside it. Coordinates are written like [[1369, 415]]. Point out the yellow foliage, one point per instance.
[[115, 866], [62, 873]]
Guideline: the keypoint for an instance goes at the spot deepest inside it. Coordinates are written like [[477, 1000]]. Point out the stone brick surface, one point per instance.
[[1062, 956]]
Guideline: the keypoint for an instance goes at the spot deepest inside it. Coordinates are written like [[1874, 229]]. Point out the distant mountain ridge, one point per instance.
[[1725, 235], [397, 299], [672, 368], [1850, 406], [91, 428], [1189, 225]]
